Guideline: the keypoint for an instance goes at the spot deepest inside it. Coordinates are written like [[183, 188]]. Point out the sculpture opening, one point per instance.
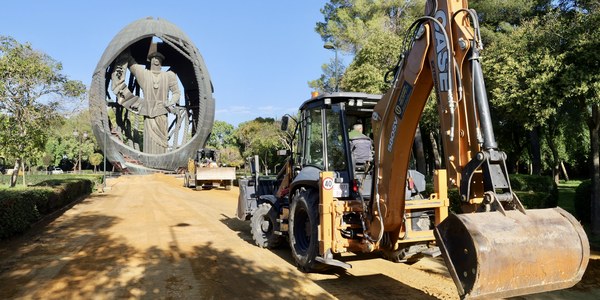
[[151, 98]]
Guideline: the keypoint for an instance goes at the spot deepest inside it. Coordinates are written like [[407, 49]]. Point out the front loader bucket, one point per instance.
[[493, 255]]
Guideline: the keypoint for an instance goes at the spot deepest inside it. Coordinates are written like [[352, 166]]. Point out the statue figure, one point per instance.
[[118, 108], [155, 105]]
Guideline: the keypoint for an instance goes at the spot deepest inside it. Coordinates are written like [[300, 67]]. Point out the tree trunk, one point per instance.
[[23, 168], [555, 156], [15, 174], [419, 152], [564, 170], [594, 126], [534, 149], [265, 165], [519, 144]]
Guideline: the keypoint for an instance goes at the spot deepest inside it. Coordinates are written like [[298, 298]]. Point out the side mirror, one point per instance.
[[284, 122]]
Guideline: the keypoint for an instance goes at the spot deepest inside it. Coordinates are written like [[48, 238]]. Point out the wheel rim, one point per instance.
[[265, 225]]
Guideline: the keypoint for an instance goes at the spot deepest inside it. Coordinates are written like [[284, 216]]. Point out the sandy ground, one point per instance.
[[149, 237]]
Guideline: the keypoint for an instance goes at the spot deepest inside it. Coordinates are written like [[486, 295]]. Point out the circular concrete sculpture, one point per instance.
[[125, 109]]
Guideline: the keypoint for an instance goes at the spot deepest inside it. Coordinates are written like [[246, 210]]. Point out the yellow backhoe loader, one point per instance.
[[326, 202]]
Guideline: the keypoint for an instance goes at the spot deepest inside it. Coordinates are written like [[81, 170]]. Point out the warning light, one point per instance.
[[355, 186], [314, 94]]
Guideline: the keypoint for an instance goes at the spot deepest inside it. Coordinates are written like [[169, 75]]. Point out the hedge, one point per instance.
[[533, 191], [37, 179], [21, 207]]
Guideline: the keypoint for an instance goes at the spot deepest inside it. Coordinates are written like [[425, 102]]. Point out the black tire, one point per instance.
[[228, 185], [303, 230], [190, 180], [264, 223]]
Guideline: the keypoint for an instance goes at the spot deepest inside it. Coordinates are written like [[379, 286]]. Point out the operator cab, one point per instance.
[[208, 157], [324, 142]]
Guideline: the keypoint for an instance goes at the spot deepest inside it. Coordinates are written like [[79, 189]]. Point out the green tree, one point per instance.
[[62, 143], [580, 82], [494, 14], [47, 160], [554, 86], [521, 55], [367, 70], [330, 79], [221, 135], [96, 159], [352, 25], [521, 72], [29, 78], [230, 156], [224, 140], [262, 137]]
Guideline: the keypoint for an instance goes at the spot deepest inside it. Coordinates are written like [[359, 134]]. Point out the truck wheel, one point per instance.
[[303, 225], [264, 222], [228, 185]]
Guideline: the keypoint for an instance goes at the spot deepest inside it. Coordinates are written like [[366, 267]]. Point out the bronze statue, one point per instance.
[[138, 126], [156, 85]]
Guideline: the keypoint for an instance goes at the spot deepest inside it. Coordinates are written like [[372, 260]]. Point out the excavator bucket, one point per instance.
[[496, 255]]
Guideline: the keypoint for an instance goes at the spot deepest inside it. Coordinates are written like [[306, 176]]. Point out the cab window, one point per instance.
[[314, 138]]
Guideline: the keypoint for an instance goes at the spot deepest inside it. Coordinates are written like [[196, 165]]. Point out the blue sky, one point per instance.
[[260, 54]]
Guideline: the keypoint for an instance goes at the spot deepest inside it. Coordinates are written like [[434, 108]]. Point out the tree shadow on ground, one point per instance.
[[242, 228], [78, 258], [342, 284], [374, 286], [8, 246]]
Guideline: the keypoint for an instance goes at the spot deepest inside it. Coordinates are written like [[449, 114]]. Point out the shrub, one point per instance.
[[17, 213], [583, 201], [520, 182], [535, 191], [21, 207], [51, 179]]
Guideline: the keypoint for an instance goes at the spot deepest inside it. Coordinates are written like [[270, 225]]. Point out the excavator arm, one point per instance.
[[495, 248]]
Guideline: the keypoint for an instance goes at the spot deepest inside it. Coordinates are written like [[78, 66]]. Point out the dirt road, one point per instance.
[[149, 237]]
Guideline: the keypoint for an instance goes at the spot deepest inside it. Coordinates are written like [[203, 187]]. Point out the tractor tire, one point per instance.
[[264, 223], [303, 230]]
